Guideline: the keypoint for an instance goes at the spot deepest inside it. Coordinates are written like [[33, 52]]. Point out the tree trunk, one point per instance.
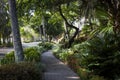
[[15, 30], [73, 37], [0, 40], [71, 40], [40, 31], [43, 24], [3, 36], [66, 31]]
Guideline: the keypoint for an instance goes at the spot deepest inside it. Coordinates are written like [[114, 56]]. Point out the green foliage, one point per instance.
[[54, 29], [21, 71], [87, 75], [8, 59], [96, 77], [94, 59], [30, 54], [57, 50], [45, 46], [65, 54], [100, 55], [53, 24], [83, 73], [28, 34]]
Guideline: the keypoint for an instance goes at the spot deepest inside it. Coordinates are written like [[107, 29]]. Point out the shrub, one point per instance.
[[101, 56], [46, 46], [30, 54], [41, 49], [9, 58], [73, 62], [87, 75], [64, 54], [20, 71], [56, 50], [96, 77], [83, 73]]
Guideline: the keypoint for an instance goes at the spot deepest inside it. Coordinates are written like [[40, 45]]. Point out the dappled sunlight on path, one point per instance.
[[55, 69]]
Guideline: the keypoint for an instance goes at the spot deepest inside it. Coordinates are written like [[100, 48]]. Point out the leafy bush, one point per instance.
[[67, 56], [46, 46], [56, 50], [96, 77], [87, 75], [98, 56], [73, 62], [30, 54], [60, 53], [101, 56], [64, 54], [20, 71], [41, 49], [9, 58], [83, 73]]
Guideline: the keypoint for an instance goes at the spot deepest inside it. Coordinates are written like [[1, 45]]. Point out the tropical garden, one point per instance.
[[84, 34]]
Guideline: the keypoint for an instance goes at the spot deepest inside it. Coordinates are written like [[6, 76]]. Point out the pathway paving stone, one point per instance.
[[4, 51], [55, 69]]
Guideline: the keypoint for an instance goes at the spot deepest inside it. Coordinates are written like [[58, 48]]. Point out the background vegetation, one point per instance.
[[87, 33]]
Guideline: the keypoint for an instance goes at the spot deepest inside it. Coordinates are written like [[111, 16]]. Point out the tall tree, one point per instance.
[[16, 33], [5, 29], [71, 40]]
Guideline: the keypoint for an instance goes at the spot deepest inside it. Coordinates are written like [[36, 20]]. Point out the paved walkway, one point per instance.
[[55, 69], [5, 50]]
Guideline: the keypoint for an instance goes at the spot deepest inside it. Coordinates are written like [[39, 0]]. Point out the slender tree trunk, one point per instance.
[[71, 40], [43, 24], [3, 39], [40, 31], [0, 40], [73, 37], [15, 30], [66, 31]]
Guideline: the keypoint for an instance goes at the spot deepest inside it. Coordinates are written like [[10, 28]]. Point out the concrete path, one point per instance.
[[31, 44], [55, 69], [5, 50]]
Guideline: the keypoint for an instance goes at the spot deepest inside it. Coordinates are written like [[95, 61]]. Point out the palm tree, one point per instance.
[[111, 6], [15, 30]]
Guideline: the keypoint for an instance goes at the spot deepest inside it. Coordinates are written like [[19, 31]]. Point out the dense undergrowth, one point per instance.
[[30, 69], [94, 59], [20, 71]]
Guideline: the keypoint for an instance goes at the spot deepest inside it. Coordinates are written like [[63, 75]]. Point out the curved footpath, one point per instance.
[[55, 69]]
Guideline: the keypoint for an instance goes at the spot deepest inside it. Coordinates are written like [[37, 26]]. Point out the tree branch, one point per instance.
[[71, 26], [61, 13]]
